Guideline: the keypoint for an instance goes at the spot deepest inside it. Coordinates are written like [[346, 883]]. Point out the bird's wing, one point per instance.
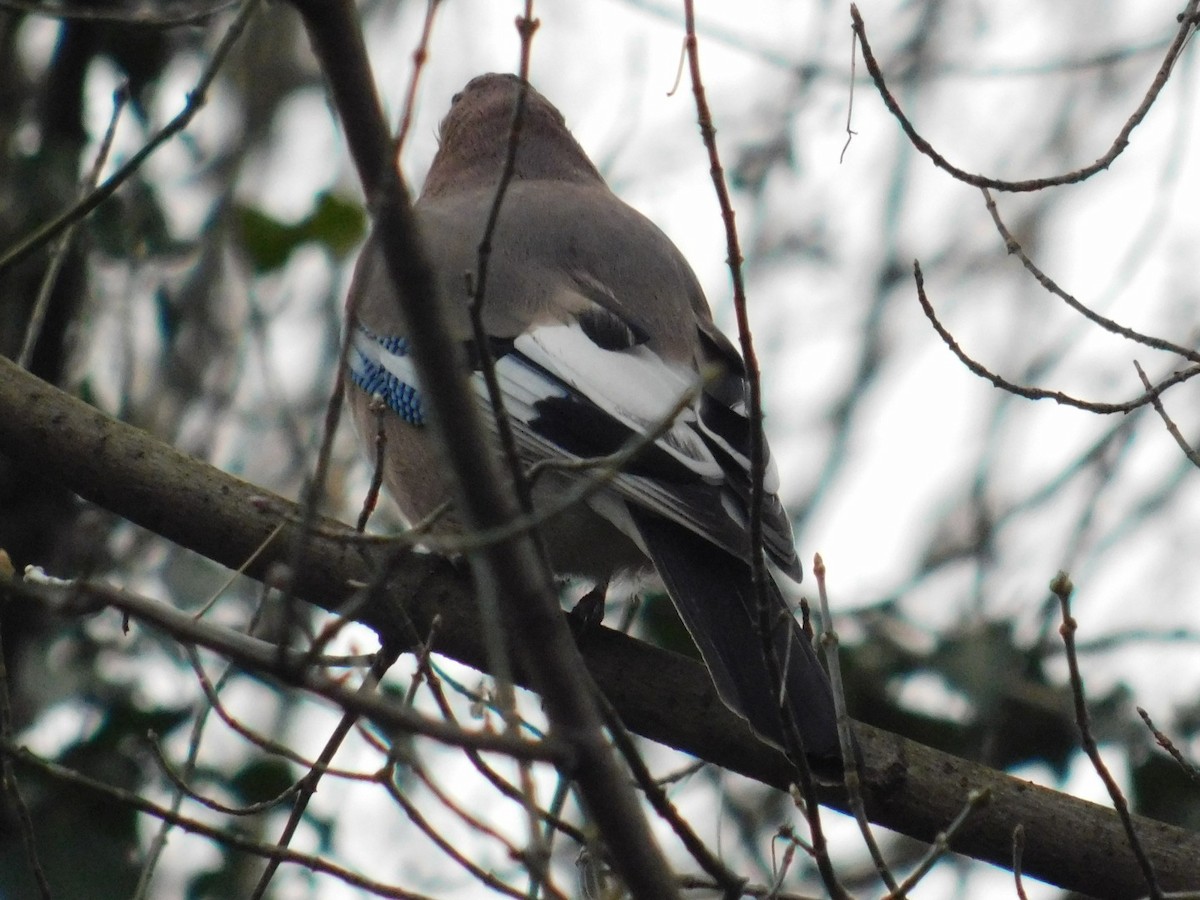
[[585, 387], [714, 594]]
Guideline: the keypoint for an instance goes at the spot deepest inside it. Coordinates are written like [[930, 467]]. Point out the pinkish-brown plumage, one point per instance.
[[599, 327]]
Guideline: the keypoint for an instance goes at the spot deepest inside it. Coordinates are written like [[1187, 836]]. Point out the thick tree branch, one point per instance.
[[668, 698]]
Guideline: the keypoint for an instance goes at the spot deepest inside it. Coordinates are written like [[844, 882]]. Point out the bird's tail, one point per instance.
[[714, 594]]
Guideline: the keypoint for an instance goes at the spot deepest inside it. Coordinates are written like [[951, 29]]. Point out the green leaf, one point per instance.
[[335, 224], [267, 242]]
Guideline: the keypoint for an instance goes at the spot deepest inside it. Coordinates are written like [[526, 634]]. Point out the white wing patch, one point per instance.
[[635, 386]]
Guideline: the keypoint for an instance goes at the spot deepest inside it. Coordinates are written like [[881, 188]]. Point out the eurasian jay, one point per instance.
[[599, 330]]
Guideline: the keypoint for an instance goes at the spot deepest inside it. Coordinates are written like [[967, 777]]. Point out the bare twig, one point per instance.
[[227, 839], [196, 99], [853, 781], [1167, 744], [216, 595], [434, 682], [746, 339], [489, 602], [791, 842], [1187, 20], [371, 500], [1062, 588], [420, 55], [1013, 247], [212, 695], [181, 785], [473, 821], [8, 783], [1018, 849], [477, 287], [850, 132], [87, 598], [259, 740], [758, 567], [1188, 450], [482, 875], [308, 785], [681, 774], [1031, 393], [976, 799], [729, 883], [423, 669], [37, 317]]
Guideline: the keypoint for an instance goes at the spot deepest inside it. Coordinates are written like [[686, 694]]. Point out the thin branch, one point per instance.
[[1032, 393], [424, 668], [8, 779], [1187, 20], [1062, 588], [488, 600], [681, 774], [85, 598], [474, 822], [853, 781], [33, 330], [729, 883], [1167, 744], [477, 283], [225, 839], [850, 132], [308, 785], [237, 573], [791, 841], [758, 567], [261, 741], [976, 799], [212, 695], [420, 56], [434, 683], [1018, 841], [1013, 247], [187, 790], [196, 99], [745, 337], [371, 500], [483, 876], [1188, 450]]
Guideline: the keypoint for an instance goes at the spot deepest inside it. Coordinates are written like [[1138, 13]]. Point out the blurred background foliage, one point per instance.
[[202, 303]]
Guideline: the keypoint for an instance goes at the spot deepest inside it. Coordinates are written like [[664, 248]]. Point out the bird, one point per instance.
[[598, 331]]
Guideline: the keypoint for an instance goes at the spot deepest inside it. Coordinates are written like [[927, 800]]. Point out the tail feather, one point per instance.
[[714, 594]]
